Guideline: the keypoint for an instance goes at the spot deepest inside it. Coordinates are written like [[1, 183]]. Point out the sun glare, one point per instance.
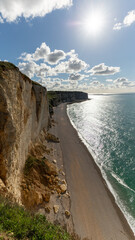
[[94, 23]]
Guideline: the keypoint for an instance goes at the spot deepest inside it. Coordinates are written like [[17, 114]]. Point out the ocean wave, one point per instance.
[[122, 182]]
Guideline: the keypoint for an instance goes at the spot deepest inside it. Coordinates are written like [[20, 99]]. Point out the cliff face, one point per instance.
[[57, 97], [23, 115]]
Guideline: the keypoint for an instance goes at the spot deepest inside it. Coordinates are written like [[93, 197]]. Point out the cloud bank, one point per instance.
[[102, 69], [123, 83], [128, 21], [59, 70], [11, 10], [44, 62]]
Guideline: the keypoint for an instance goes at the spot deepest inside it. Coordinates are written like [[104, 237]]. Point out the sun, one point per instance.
[[94, 23]]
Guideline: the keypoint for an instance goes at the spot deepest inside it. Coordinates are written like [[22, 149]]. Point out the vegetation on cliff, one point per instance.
[[21, 224], [52, 97], [57, 97]]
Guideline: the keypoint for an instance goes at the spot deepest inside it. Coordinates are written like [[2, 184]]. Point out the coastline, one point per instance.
[[108, 186], [93, 207]]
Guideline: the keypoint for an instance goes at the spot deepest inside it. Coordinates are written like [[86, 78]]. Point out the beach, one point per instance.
[[94, 211]]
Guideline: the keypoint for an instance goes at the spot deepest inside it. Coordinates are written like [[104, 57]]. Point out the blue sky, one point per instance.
[[71, 44]]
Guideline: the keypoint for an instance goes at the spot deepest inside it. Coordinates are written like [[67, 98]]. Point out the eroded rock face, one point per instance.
[[23, 114], [38, 182], [57, 97]]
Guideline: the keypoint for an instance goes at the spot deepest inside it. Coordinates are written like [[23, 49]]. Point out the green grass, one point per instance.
[[24, 225], [33, 162], [51, 95]]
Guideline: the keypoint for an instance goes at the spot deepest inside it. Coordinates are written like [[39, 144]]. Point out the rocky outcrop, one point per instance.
[[23, 116], [40, 178]]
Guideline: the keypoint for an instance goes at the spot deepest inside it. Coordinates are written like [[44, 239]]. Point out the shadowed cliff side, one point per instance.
[[23, 115], [57, 97]]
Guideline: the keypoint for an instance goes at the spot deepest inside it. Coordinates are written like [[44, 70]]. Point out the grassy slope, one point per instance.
[[24, 225]]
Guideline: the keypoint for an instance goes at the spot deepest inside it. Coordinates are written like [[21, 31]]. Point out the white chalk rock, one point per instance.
[[64, 182], [2, 185], [63, 188], [67, 213], [56, 208]]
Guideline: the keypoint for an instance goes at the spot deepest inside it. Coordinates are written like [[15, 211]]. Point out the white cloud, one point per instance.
[[72, 53], [61, 67], [42, 70], [123, 83], [120, 80], [40, 53], [32, 69], [58, 70], [65, 62], [89, 86], [130, 18], [76, 77], [117, 26], [11, 10], [77, 65], [56, 56], [43, 53], [109, 80], [28, 68], [102, 69], [73, 66], [128, 21], [95, 83]]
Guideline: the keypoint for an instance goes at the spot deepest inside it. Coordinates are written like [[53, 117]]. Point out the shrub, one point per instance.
[[24, 225], [32, 162]]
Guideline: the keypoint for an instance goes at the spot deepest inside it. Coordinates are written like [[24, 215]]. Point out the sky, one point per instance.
[[71, 44]]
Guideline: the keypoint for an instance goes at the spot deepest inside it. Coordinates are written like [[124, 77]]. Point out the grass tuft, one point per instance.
[[32, 162]]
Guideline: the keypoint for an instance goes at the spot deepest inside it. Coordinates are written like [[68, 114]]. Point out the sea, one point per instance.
[[106, 125]]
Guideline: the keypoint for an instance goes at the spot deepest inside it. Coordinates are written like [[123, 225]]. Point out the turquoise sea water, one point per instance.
[[106, 124]]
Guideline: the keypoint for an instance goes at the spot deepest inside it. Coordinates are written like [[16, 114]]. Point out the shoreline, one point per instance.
[[115, 225], [112, 197]]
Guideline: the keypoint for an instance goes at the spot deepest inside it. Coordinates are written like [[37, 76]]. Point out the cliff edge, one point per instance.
[[23, 115]]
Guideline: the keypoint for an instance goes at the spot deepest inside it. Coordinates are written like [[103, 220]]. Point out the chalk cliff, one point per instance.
[[26, 174], [57, 97], [67, 96], [23, 115]]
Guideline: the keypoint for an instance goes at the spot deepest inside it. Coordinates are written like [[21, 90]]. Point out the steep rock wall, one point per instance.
[[23, 115], [58, 97]]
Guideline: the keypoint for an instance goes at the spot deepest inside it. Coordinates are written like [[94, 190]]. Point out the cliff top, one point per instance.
[[5, 66]]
